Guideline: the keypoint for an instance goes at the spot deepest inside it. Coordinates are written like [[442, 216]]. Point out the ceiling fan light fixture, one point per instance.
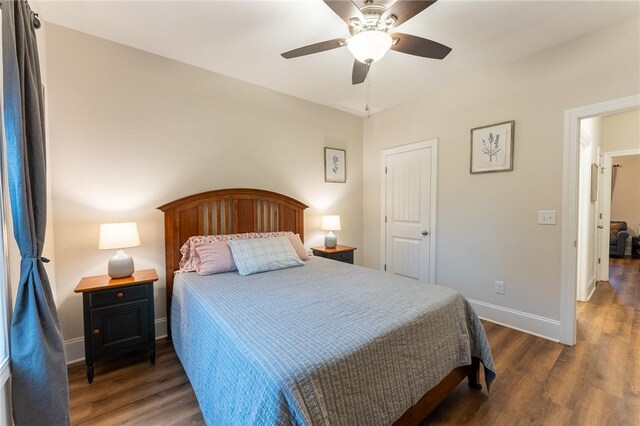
[[369, 46]]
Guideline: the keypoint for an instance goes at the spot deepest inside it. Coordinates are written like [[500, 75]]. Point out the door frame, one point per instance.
[[570, 178], [603, 250], [602, 241], [433, 144]]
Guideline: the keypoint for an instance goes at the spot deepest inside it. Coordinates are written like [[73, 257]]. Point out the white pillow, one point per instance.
[[264, 254]]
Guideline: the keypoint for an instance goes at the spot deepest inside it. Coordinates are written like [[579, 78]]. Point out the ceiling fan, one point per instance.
[[370, 39]]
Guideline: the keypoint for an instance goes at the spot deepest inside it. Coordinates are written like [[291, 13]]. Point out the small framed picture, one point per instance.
[[335, 165], [492, 148]]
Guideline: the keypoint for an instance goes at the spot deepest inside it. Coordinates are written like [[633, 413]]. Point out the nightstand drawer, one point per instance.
[[118, 295], [339, 253], [343, 257]]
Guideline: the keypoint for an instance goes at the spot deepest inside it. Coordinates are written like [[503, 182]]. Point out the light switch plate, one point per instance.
[[546, 217]]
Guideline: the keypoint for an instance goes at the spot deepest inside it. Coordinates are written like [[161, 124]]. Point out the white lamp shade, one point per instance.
[[118, 236], [330, 223], [370, 45]]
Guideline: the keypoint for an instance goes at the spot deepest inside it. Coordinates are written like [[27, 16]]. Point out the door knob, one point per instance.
[[600, 226], [425, 233]]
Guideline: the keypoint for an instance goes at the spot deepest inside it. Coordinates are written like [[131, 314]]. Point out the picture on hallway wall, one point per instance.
[[492, 148]]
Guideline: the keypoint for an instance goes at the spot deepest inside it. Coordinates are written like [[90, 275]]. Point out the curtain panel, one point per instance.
[[40, 388]]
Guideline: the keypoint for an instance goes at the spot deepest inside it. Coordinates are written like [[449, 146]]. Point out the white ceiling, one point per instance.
[[244, 39]]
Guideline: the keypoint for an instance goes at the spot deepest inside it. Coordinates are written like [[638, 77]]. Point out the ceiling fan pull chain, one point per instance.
[[368, 95]]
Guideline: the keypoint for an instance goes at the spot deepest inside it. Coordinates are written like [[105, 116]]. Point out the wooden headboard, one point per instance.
[[225, 211]]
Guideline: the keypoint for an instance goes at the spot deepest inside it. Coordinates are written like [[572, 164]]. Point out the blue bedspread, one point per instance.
[[326, 343]]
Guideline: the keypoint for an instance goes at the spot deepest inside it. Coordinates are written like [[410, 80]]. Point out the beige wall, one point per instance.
[[131, 131], [621, 131], [487, 224], [625, 201]]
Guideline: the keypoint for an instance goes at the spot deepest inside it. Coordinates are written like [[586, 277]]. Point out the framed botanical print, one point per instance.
[[335, 165], [492, 148]]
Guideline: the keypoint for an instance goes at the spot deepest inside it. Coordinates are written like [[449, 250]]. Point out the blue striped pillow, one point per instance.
[[264, 254]]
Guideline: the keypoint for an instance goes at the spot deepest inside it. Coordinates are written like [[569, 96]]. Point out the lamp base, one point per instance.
[[120, 265], [330, 240]]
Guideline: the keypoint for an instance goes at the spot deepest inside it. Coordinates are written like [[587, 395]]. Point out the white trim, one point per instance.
[[433, 144], [546, 328], [592, 286], [622, 152], [602, 243], [433, 226], [568, 273], [74, 348]]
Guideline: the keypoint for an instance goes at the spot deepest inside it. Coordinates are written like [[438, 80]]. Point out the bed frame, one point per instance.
[[239, 210]]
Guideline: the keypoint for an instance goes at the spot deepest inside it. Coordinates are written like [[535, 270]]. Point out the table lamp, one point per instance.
[[119, 236], [330, 223]]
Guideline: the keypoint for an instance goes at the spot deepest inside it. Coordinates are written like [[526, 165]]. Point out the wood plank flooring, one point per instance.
[[597, 382]]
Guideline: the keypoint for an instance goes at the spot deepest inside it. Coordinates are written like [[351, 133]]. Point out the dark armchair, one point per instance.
[[618, 238]]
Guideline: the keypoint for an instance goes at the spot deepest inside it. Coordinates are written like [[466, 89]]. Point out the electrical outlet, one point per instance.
[[500, 287], [546, 217]]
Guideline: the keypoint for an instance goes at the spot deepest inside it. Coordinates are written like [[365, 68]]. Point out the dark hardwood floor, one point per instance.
[[597, 382]]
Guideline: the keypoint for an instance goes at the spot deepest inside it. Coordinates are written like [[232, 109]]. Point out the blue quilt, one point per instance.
[[326, 343]]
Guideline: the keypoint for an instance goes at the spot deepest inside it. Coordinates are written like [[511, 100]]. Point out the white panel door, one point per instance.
[[408, 194], [604, 217]]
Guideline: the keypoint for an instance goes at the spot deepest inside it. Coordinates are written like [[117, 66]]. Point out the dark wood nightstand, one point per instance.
[[340, 253], [118, 315]]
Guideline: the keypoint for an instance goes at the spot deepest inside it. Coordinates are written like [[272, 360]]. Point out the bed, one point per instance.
[[325, 343]]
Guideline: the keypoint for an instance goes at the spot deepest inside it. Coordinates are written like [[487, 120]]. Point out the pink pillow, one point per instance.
[[296, 242], [215, 258]]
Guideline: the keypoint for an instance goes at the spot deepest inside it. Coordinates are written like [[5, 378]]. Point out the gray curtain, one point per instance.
[[39, 374]]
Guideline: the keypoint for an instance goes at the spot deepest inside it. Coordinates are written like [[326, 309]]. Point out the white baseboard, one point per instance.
[[592, 287], [522, 321], [74, 348]]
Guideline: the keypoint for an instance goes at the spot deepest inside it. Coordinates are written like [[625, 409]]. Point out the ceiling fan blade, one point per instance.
[[404, 10], [315, 48], [360, 72], [346, 10], [419, 46]]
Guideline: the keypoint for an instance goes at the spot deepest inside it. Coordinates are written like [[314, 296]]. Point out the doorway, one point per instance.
[[571, 203], [598, 168], [409, 210], [620, 205]]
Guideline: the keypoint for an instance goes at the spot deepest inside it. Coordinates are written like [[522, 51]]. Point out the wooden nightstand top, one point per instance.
[[103, 282], [337, 249]]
